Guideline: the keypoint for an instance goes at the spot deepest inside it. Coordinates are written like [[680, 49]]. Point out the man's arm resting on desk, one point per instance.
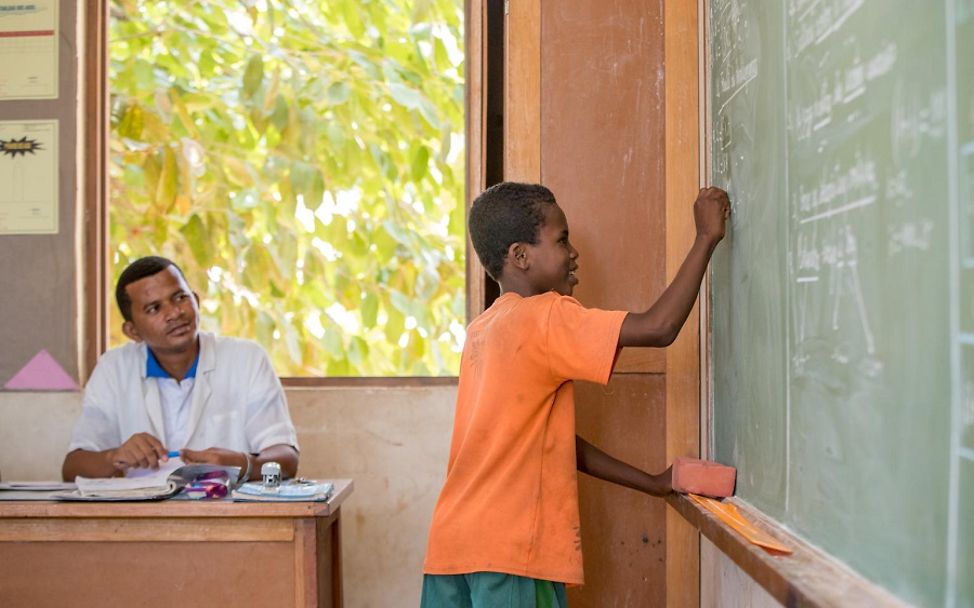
[[283, 454], [88, 464], [145, 451], [141, 450]]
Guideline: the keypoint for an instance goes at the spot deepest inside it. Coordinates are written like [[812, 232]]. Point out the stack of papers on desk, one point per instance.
[[36, 486], [141, 484], [125, 488], [144, 484], [33, 490], [289, 491]]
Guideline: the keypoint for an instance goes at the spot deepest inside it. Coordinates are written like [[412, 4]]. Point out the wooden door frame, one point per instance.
[[475, 101], [684, 170], [683, 119], [94, 128]]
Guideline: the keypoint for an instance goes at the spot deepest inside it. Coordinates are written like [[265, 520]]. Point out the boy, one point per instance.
[[505, 530]]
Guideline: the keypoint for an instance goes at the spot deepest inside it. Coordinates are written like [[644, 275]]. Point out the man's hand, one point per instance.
[[140, 451], [220, 456], [283, 454], [710, 212]]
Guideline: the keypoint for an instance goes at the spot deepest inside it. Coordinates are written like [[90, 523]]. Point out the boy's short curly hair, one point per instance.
[[506, 213]]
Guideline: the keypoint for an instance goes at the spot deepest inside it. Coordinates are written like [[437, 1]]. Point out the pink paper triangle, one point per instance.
[[42, 373]]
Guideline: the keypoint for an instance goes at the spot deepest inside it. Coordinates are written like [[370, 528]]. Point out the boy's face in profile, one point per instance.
[[553, 257]]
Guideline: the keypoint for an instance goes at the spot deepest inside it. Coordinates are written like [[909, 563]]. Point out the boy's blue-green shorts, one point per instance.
[[490, 590]]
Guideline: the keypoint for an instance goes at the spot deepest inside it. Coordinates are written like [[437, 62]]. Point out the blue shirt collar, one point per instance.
[[154, 370]]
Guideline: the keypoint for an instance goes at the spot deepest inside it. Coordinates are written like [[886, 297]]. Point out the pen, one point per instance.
[[173, 454]]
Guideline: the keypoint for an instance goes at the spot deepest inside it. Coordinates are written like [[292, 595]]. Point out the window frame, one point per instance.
[[95, 105]]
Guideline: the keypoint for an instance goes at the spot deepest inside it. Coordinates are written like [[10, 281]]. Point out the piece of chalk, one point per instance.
[[695, 476]]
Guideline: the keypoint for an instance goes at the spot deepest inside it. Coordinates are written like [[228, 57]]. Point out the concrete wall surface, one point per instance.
[[393, 442]]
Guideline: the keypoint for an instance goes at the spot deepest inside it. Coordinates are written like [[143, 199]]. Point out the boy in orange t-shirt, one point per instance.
[[505, 529]]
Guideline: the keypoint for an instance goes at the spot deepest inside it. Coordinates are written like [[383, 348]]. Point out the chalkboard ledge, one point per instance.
[[807, 577]]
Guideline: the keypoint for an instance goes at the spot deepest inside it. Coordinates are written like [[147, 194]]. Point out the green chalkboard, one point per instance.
[[843, 296]]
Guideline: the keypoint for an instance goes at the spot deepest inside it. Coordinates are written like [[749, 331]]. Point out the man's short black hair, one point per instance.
[[506, 213], [139, 269]]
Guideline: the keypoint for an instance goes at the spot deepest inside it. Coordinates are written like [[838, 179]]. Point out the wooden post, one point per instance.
[[683, 356], [522, 92], [94, 129], [475, 42]]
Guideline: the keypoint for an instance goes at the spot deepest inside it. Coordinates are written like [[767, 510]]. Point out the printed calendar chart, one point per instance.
[[29, 177], [28, 50]]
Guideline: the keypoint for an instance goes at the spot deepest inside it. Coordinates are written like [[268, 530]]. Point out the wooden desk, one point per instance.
[[172, 553]]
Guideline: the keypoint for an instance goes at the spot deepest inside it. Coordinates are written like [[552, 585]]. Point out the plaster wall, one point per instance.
[[392, 441], [724, 585]]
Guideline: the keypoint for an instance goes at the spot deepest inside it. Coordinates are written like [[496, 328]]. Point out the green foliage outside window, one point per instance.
[[302, 160]]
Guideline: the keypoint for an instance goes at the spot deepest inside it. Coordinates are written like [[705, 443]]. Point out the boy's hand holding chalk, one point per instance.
[[695, 476]]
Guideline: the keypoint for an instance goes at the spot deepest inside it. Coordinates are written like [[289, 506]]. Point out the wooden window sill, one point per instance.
[[364, 382]]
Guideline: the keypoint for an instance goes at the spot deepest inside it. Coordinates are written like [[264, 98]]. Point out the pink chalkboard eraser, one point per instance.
[[695, 476]]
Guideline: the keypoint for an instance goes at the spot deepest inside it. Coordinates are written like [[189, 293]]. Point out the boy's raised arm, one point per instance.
[[660, 325]]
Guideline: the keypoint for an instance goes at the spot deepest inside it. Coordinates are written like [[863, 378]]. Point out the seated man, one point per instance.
[[173, 388]]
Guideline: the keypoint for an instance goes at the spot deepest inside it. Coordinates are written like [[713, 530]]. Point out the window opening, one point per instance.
[[303, 162]]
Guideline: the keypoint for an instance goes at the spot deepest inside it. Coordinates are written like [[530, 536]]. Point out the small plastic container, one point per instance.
[[270, 472]]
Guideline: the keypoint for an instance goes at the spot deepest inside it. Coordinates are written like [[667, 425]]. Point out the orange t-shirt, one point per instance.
[[510, 501]]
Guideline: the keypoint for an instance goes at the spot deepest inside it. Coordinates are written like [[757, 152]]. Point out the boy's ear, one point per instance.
[[517, 253]]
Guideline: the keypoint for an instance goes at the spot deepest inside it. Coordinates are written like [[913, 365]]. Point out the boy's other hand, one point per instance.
[[662, 484], [710, 213]]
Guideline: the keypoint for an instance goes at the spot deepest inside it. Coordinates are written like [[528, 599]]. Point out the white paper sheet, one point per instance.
[[29, 177], [28, 50]]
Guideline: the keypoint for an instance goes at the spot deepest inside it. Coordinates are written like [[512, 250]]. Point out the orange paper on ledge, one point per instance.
[[730, 515]]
